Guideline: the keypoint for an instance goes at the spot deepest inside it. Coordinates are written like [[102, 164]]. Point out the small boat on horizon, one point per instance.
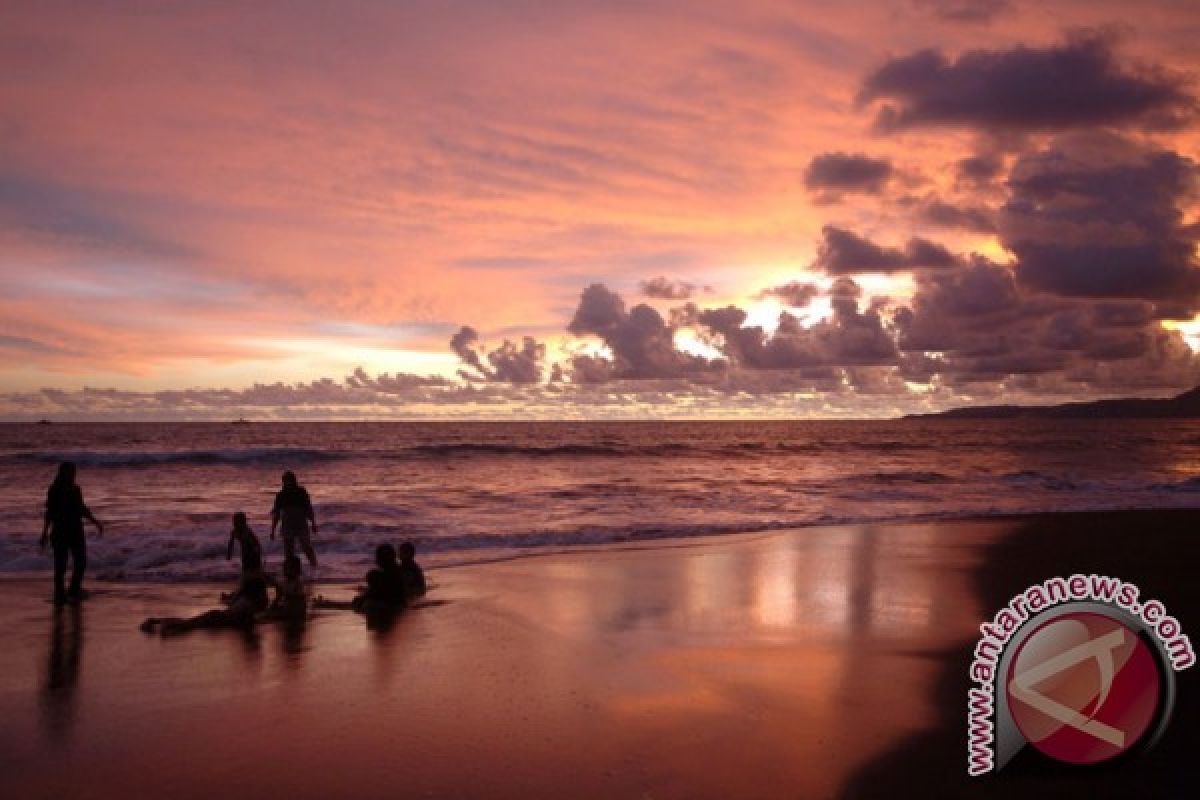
[[240, 421], [44, 422]]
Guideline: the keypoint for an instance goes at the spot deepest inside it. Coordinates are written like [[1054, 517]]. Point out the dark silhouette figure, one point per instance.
[[248, 543], [385, 583], [248, 600], [411, 573], [63, 527], [293, 514], [291, 606], [291, 593], [248, 603]]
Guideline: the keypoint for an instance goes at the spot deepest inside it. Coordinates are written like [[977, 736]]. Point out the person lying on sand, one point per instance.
[[251, 549], [242, 606]]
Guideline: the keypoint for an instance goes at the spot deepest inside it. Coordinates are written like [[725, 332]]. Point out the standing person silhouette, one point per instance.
[[63, 527], [293, 513], [248, 542]]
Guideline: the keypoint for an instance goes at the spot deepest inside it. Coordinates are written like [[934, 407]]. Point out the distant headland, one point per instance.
[[1181, 406]]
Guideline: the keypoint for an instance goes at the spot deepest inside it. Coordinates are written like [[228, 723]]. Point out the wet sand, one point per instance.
[[816, 663]]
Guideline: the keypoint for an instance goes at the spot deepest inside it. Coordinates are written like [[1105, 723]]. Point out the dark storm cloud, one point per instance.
[[665, 289], [979, 169], [842, 252], [984, 326], [849, 338], [1098, 215], [1075, 329], [980, 323], [518, 363], [847, 172], [947, 215], [463, 344], [970, 11], [1120, 314], [641, 342], [508, 363], [793, 293], [1078, 83]]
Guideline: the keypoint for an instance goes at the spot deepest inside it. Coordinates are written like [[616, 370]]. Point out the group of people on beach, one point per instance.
[[395, 582]]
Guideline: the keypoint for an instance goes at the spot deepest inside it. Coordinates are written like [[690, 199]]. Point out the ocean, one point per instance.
[[468, 492]]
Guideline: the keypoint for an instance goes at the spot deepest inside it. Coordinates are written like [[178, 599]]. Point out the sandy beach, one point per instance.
[[822, 662]]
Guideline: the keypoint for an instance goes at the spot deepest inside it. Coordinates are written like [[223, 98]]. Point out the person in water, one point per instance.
[[385, 583], [63, 527], [248, 544], [293, 514], [242, 606], [411, 574]]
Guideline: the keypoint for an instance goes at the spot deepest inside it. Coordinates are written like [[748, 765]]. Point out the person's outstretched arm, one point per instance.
[[88, 515], [274, 517]]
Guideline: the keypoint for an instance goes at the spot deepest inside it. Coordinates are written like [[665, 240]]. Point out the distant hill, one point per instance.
[[1178, 407]]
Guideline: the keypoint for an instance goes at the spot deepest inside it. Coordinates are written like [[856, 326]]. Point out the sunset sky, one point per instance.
[[591, 209]]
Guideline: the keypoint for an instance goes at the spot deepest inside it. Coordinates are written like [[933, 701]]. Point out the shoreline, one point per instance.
[[814, 662], [430, 562]]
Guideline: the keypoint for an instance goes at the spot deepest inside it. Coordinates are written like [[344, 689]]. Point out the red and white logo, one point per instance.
[[1084, 688]]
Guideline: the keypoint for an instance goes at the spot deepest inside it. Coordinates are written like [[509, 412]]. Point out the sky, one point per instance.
[[585, 209]]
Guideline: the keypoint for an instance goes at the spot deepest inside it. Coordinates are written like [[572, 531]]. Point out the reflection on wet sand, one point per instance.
[[58, 700], [798, 642], [292, 638], [849, 582]]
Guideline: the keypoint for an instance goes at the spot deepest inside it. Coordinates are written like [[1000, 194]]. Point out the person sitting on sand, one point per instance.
[[411, 573], [249, 599], [63, 528], [291, 594], [293, 513], [385, 583], [249, 545]]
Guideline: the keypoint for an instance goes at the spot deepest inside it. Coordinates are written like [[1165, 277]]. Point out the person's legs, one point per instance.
[[289, 545], [78, 548], [217, 618], [61, 553], [305, 545]]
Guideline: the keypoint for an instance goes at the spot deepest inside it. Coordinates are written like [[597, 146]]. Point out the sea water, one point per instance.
[[466, 492]]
